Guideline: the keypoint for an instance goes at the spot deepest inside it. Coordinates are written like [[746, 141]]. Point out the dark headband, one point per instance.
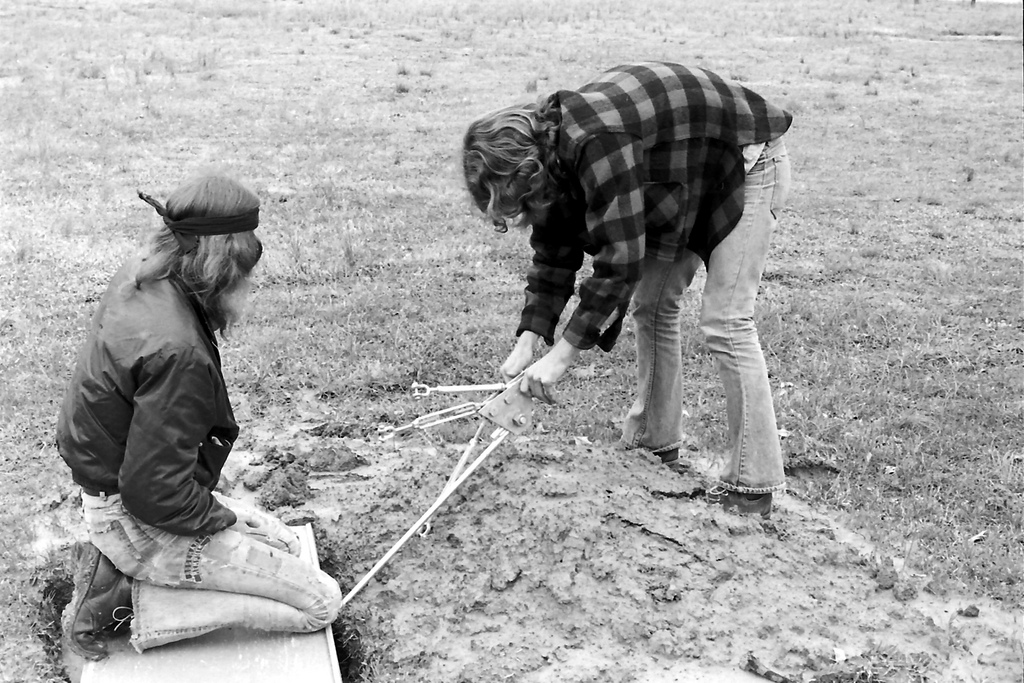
[[188, 230]]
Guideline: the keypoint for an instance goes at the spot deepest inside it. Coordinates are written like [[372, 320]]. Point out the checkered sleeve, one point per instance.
[[551, 278], [610, 173]]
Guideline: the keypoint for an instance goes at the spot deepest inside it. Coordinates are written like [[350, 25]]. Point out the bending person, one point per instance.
[[146, 427], [652, 169]]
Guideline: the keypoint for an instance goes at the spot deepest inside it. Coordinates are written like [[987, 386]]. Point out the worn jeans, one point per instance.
[[734, 273], [189, 585]]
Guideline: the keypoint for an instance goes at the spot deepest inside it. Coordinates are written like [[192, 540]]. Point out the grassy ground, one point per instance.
[[891, 313]]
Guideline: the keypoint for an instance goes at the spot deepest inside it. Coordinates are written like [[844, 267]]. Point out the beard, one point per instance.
[[235, 302]]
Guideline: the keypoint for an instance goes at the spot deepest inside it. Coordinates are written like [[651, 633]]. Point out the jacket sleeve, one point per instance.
[[611, 174], [173, 407], [551, 278]]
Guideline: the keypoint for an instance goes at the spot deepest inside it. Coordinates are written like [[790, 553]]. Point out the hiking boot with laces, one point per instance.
[[741, 503], [100, 606]]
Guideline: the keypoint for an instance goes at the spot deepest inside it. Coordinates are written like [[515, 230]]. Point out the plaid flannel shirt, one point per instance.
[[654, 164]]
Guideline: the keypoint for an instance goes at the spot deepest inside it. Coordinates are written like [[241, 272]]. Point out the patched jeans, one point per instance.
[[226, 579], [654, 422]]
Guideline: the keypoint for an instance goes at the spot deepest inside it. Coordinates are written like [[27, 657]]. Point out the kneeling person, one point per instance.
[[146, 427]]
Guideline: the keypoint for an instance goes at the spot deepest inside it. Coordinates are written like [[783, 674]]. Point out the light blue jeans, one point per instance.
[[235, 578], [734, 273]]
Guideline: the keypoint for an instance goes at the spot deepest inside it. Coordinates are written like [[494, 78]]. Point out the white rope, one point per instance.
[[449, 489], [465, 457]]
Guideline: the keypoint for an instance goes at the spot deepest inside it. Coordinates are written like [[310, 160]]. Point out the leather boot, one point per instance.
[[100, 606], [742, 503]]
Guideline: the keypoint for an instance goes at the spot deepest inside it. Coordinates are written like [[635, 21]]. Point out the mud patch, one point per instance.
[[575, 563]]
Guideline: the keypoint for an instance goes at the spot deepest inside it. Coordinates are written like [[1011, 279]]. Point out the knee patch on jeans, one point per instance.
[[263, 559]]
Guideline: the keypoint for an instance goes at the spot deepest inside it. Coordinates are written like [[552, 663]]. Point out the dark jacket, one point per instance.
[[652, 154], [147, 412]]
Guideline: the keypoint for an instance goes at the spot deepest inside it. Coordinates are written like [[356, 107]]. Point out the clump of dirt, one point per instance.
[[281, 479], [288, 485], [338, 458]]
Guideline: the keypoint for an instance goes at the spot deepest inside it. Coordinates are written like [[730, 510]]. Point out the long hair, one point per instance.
[[219, 264], [509, 159]]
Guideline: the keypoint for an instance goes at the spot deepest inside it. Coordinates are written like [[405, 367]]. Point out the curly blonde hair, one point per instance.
[[219, 264], [510, 162]]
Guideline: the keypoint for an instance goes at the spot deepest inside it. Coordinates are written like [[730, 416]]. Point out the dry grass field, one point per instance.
[[891, 317]]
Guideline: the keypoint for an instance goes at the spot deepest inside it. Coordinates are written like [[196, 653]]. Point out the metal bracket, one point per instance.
[[511, 409]]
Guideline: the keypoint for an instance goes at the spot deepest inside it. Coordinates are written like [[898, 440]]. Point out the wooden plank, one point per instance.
[[229, 655]]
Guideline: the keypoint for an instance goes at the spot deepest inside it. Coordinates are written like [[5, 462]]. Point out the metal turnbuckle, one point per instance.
[[433, 419], [421, 390]]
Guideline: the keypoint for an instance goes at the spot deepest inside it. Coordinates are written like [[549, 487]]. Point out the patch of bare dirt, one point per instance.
[[575, 562]]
